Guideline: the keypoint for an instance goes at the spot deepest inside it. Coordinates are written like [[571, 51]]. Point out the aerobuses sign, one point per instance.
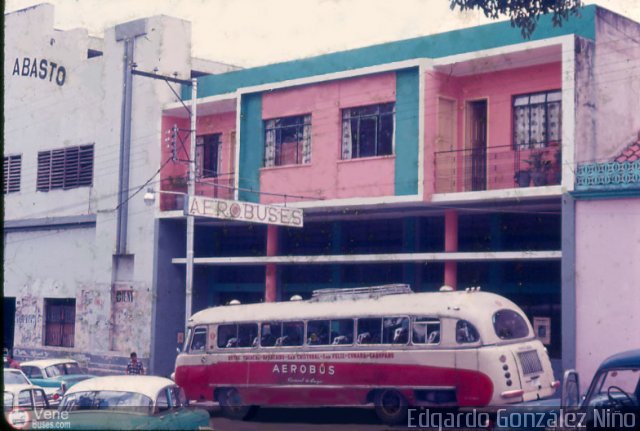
[[243, 211]]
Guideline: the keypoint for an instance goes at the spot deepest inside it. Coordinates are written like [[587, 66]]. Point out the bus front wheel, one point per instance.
[[391, 406], [231, 405]]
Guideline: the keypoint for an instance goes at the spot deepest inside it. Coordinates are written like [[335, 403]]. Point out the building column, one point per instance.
[[271, 274], [451, 245], [336, 248], [409, 245]]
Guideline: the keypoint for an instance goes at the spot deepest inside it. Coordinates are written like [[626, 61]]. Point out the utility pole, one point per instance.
[[191, 186], [191, 191]]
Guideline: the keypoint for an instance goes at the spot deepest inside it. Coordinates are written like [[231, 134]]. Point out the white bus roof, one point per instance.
[[472, 306]]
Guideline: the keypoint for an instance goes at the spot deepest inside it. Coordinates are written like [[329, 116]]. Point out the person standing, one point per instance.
[[134, 366], [11, 362]]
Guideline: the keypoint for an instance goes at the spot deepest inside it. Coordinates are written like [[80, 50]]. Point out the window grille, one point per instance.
[[208, 150], [537, 119], [288, 141]]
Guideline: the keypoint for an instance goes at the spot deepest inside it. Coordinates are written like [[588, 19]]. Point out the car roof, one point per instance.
[[628, 359], [47, 362], [465, 305], [147, 385], [17, 388]]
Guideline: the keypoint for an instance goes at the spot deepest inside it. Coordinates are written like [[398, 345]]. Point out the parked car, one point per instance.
[[612, 401], [54, 375], [131, 402], [11, 376], [20, 400]]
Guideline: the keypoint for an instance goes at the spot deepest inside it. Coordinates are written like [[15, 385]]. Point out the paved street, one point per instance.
[[334, 419]]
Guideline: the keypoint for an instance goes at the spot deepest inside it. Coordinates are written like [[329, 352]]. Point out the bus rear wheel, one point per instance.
[[232, 407], [391, 406]]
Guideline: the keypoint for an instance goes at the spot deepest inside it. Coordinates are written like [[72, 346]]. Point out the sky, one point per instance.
[[255, 32]]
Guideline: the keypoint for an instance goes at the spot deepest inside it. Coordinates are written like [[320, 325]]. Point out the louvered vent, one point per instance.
[[11, 174], [65, 168]]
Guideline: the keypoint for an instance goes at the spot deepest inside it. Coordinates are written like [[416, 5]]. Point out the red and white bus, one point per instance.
[[382, 345]]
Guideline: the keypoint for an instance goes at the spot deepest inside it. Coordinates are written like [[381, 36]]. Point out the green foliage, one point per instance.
[[524, 14]]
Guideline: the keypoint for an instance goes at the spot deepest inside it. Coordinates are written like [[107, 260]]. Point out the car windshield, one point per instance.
[[72, 368], [8, 401], [510, 325], [620, 384], [103, 400], [63, 369], [15, 378]]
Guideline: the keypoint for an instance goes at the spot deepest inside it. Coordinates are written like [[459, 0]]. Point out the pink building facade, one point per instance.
[[447, 159]]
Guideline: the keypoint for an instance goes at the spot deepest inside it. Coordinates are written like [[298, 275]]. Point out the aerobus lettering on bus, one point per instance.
[[387, 346]]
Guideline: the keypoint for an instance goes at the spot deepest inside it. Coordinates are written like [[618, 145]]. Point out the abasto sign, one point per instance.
[[244, 211]]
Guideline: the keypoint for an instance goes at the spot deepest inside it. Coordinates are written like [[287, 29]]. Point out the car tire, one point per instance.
[[232, 407], [391, 406]]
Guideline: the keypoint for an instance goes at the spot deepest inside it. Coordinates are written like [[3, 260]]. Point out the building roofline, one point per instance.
[[437, 45]]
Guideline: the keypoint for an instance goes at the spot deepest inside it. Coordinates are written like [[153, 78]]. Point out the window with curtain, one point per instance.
[[287, 141], [537, 119], [367, 131], [208, 155]]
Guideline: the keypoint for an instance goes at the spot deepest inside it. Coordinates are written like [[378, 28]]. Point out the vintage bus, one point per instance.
[[382, 345]]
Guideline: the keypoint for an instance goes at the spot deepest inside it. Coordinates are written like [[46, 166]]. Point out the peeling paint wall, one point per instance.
[[29, 317], [132, 309], [93, 315], [617, 86]]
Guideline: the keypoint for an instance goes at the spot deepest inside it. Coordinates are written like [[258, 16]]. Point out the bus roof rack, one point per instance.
[[327, 295]]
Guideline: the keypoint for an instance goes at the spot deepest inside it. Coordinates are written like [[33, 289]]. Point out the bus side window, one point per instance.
[[466, 332], [369, 330], [395, 330], [318, 332], [426, 330], [247, 332], [271, 331], [292, 334], [227, 336], [342, 331], [199, 340]]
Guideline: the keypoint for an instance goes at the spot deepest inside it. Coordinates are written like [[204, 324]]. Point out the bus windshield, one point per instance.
[[509, 325]]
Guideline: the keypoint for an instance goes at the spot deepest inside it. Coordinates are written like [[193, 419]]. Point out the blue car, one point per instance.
[[54, 375], [612, 401]]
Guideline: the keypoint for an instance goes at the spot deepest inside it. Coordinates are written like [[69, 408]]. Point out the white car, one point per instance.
[[14, 376]]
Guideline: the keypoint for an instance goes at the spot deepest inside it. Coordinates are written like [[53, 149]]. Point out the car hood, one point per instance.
[[186, 418], [69, 379]]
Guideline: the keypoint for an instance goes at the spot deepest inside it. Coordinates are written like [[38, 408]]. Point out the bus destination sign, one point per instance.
[[244, 211]]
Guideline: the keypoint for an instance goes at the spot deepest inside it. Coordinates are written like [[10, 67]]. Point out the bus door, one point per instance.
[[469, 382], [197, 359]]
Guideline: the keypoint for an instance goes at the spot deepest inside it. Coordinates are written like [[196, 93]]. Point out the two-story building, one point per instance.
[[445, 159]]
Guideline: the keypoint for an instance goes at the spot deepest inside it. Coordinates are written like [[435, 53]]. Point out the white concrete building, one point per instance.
[[72, 285]]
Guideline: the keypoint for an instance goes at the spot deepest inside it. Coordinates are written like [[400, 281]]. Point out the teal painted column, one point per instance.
[[336, 248], [251, 147], [406, 133]]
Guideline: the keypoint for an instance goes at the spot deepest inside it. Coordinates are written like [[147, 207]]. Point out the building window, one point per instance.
[[65, 168], [287, 141], [537, 119], [208, 155], [60, 322], [11, 174], [367, 131]]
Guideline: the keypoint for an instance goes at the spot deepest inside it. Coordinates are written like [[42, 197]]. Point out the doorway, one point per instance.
[[8, 320], [476, 160]]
